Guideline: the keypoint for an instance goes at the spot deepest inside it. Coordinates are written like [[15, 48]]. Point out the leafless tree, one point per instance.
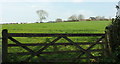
[[73, 17], [98, 17], [42, 15], [80, 17], [58, 20]]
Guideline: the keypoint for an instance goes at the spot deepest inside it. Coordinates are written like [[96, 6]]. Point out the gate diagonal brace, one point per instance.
[[85, 51], [90, 47], [46, 46], [26, 48]]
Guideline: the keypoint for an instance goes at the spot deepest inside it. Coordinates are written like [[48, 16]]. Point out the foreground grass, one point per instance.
[[63, 27]]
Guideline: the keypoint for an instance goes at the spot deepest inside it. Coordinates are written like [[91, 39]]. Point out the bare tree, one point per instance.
[[73, 17], [98, 17], [58, 20], [80, 17], [42, 15], [103, 18], [110, 18]]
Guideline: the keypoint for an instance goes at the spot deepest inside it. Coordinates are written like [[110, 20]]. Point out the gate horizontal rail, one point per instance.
[[43, 44], [57, 52], [52, 35]]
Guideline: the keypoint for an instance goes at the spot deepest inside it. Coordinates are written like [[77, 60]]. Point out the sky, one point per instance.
[[12, 11]]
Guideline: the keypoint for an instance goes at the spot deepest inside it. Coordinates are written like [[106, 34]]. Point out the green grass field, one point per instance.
[[62, 27]]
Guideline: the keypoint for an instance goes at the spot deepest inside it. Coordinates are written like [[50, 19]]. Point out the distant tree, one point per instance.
[[98, 17], [73, 18], [58, 20], [103, 18], [110, 18], [36, 22], [80, 17], [42, 15]]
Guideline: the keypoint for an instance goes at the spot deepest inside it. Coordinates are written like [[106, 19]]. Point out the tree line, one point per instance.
[[43, 16]]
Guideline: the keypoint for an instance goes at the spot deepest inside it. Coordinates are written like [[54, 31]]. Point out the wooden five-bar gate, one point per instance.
[[32, 53]]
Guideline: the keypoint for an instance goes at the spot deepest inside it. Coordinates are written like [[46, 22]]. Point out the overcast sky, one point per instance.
[[59, 0], [25, 10]]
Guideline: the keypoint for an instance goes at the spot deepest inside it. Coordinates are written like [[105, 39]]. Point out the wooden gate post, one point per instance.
[[4, 45], [107, 43]]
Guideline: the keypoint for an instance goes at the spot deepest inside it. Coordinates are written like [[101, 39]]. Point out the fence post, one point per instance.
[[4, 45], [107, 41]]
